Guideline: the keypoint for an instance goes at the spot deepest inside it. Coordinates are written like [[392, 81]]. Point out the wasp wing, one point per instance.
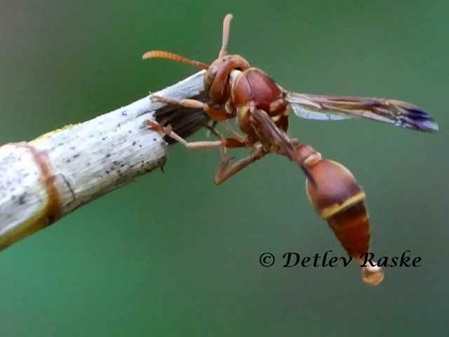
[[391, 111]]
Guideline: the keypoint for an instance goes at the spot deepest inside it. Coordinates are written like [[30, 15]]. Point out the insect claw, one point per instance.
[[167, 130], [156, 98], [154, 125]]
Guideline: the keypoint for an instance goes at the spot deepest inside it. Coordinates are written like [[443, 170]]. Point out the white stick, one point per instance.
[[49, 177]]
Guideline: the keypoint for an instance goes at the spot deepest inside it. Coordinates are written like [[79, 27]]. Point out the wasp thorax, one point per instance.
[[216, 80]]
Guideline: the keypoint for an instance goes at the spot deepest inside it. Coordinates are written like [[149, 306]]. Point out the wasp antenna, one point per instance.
[[225, 39], [174, 57]]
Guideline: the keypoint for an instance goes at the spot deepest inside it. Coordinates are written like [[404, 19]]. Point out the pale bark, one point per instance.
[[49, 177]]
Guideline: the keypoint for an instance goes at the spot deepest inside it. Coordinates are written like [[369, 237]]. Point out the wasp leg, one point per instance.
[[222, 143], [215, 114], [199, 145], [226, 170]]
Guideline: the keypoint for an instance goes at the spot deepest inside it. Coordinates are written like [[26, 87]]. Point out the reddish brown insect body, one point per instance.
[[339, 199], [260, 106], [252, 89]]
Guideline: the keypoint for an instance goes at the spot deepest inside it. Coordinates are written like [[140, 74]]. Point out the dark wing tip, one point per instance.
[[412, 117], [429, 126], [415, 118]]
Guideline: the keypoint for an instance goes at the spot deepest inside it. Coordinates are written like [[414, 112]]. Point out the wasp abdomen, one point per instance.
[[339, 199]]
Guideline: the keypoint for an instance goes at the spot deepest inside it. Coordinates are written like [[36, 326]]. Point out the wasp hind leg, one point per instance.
[[226, 170]]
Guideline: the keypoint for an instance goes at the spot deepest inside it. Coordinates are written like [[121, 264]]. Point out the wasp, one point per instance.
[[261, 108]]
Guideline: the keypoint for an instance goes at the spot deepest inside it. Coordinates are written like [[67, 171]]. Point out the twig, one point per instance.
[[51, 176]]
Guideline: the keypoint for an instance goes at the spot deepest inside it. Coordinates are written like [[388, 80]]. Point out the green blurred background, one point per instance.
[[174, 255]]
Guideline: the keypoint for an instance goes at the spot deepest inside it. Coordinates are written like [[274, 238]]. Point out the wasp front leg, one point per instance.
[[215, 114]]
